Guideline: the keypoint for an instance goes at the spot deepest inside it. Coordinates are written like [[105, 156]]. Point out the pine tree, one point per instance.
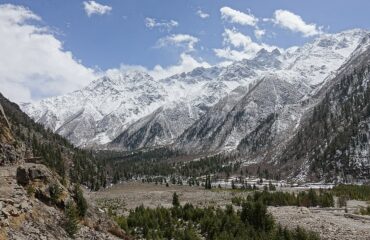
[[80, 200], [71, 224], [175, 200]]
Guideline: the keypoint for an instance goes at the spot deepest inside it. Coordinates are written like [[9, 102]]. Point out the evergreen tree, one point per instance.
[[175, 200], [80, 201], [71, 223]]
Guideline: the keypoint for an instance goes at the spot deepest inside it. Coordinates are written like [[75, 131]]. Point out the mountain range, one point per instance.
[[262, 108]]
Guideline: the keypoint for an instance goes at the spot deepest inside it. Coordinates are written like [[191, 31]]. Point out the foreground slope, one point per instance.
[[37, 169]]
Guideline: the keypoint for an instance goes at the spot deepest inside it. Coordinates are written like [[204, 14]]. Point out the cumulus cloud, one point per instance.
[[202, 14], [33, 63], [185, 64], [92, 7], [235, 16], [180, 40], [295, 23], [258, 33], [161, 25], [238, 46]]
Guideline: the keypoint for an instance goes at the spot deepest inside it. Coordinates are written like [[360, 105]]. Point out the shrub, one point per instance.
[[342, 201], [30, 190], [55, 191]]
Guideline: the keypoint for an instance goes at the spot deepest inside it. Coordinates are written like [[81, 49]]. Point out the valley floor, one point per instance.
[[330, 223]]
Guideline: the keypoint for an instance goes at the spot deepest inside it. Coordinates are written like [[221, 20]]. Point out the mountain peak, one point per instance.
[[125, 97]]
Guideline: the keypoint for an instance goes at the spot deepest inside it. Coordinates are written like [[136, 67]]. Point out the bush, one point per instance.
[[365, 211], [30, 190], [122, 222], [255, 214], [342, 201], [272, 187], [55, 191]]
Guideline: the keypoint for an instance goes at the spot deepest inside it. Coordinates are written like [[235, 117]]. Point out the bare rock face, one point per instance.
[[34, 172]]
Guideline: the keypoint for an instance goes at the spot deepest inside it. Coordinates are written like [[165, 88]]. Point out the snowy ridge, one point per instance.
[[133, 110]]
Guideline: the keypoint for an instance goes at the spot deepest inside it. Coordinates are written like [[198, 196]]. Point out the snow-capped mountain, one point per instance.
[[332, 140], [132, 110], [95, 114], [277, 100]]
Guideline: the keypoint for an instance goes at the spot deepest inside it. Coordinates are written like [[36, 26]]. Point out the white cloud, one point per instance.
[[202, 14], [179, 40], [92, 7], [33, 63], [295, 23], [185, 64], [235, 16], [239, 46], [162, 25], [258, 33]]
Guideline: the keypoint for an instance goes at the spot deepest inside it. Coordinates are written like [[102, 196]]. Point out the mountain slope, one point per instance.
[[278, 99], [333, 140]]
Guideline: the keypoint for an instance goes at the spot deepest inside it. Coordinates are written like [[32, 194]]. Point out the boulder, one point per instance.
[[32, 172], [304, 210], [22, 176], [37, 173]]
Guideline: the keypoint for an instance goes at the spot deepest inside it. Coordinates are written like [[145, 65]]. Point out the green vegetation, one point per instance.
[[189, 222], [71, 221], [165, 163], [30, 190], [365, 211], [356, 192], [175, 200], [207, 184], [55, 191], [80, 201], [304, 199]]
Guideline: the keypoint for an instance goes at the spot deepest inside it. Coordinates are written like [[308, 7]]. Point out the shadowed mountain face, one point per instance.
[[332, 141], [237, 116]]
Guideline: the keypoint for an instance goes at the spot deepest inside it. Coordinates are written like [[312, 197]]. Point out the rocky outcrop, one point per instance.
[[5, 131], [8, 152], [29, 210], [28, 173]]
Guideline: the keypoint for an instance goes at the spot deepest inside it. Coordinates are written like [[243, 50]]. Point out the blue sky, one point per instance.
[[120, 32]]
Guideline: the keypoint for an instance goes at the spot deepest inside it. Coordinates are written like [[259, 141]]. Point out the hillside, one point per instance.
[[39, 176], [332, 141]]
